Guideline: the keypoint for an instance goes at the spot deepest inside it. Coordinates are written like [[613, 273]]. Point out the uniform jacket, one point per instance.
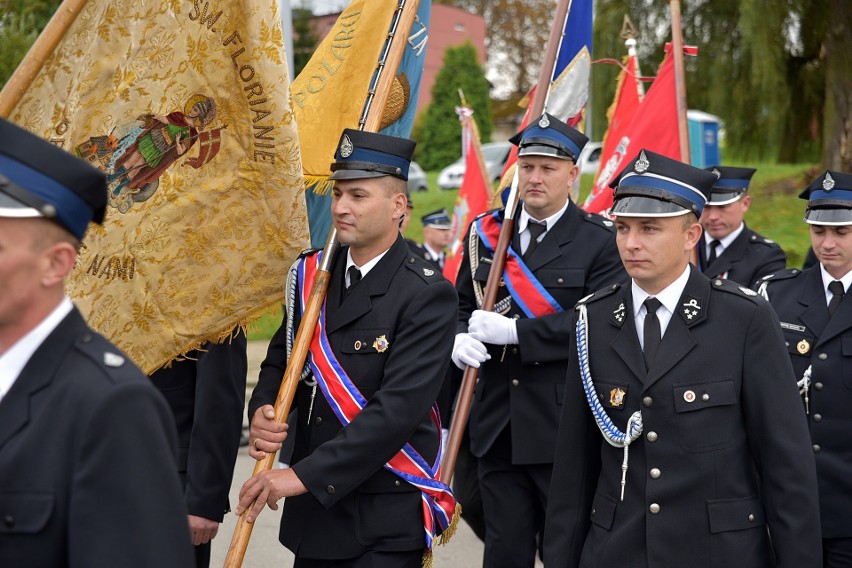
[[206, 393], [354, 504], [420, 250], [87, 461], [813, 340], [723, 456], [522, 385], [750, 257]]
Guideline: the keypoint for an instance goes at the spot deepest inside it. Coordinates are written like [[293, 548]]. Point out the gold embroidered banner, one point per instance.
[[185, 106]]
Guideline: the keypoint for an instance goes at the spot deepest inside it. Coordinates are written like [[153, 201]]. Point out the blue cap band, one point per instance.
[[673, 186], [376, 157], [536, 131], [71, 211], [834, 194], [731, 183]]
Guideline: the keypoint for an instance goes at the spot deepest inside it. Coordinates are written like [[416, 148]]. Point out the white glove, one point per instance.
[[489, 327], [467, 351]]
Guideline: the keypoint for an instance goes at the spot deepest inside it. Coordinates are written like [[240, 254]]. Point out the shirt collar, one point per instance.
[[367, 266], [668, 297], [435, 254], [525, 217], [828, 279], [13, 361], [725, 242]]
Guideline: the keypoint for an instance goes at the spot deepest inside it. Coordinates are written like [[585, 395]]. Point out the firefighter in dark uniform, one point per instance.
[[816, 320], [88, 452], [690, 375], [558, 254], [729, 249], [367, 399], [436, 237]]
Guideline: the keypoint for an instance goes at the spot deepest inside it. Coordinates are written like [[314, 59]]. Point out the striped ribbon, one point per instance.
[[525, 289], [439, 505]]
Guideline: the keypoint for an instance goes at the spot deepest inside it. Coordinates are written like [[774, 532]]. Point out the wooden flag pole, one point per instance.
[[680, 82], [465, 396], [374, 106], [32, 63]]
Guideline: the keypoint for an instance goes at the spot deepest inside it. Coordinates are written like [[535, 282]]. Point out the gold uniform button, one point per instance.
[[651, 436], [655, 473], [318, 420], [654, 508], [514, 350]]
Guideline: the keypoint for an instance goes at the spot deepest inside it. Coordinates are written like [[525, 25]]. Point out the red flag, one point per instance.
[[472, 200], [653, 126], [620, 114]]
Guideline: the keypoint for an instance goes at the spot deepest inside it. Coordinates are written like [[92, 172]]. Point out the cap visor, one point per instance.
[[355, 174], [11, 207], [836, 217], [637, 206], [539, 150], [724, 197]]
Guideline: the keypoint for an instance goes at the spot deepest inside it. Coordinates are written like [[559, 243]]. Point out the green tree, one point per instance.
[[20, 23], [439, 131], [305, 39]]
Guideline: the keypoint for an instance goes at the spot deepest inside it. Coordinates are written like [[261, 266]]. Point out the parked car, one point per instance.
[[416, 178], [590, 158], [495, 155]]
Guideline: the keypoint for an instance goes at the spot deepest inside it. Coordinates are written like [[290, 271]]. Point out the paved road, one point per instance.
[[264, 550]]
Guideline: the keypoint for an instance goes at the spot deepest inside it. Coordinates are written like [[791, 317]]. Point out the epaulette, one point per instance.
[[598, 221], [308, 251], [733, 288], [105, 355], [425, 270], [595, 296], [757, 239], [781, 275], [489, 212]]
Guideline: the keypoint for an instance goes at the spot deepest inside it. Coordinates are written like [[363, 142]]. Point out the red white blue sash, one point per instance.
[[527, 292], [439, 505]]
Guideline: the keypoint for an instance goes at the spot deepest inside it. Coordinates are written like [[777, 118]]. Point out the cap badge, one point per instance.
[[381, 344], [113, 359], [642, 164], [428, 272], [803, 347], [616, 398], [544, 122], [346, 147], [828, 182]]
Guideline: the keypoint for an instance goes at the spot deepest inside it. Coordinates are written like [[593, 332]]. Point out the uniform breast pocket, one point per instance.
[[611, 394], [799, 346], [25, 512], [707, 414]]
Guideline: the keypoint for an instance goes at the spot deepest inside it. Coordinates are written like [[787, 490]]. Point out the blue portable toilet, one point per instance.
[[703, 138]]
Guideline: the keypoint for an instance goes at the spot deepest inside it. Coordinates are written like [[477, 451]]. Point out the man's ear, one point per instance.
[[58, 262]]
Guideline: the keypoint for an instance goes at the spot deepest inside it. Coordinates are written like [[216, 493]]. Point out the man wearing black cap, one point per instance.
[[362, 490], [558, 254], [436, 236], [816, 320], [729, 249], [690, 375], [87, 445]]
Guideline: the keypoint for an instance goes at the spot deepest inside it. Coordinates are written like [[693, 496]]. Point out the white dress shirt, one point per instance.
[[668, 297]]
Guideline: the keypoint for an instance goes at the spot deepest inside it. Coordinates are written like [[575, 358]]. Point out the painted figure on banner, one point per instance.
[[134, 155]]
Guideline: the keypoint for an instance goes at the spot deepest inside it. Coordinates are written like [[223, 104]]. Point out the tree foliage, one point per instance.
[[20, 23], [439, 132], [305, 39], [515, 36]]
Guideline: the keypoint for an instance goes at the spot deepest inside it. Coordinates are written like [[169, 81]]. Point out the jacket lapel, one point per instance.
[[377, 282], [677, 340], [38, 374], [626, 342], [562, 233], [815, 312]]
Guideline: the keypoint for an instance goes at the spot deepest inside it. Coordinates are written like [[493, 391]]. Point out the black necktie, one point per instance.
[[354, 276], [536, 228], [711, 256], [836, 289], [652, 330]]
